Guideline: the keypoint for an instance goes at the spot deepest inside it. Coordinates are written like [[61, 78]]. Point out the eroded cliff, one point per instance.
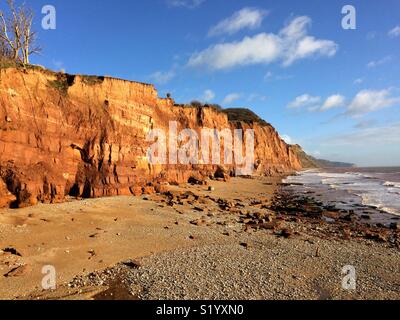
[[85, 136]]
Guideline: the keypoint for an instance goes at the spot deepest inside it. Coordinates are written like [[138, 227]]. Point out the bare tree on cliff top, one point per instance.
[[5, 52], [16, 32]]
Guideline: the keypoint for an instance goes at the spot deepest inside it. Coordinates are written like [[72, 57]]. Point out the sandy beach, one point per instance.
[[223, 240], [250, 156]]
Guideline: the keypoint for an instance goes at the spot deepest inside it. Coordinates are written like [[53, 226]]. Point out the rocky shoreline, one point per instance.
[[257, 245], [332, 222]]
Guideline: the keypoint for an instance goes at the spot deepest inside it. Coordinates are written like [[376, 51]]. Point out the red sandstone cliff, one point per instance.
[[85, 136]]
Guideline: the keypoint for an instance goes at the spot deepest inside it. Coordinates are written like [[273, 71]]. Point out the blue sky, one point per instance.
[[334, 91]]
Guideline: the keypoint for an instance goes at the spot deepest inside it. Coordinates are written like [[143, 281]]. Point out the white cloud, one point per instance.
[[299, 45], [313, 108], [59, 65], [297, 28], [255, 96], [189, 4], [358, 81], [232, 97], [333, 101], [364, 102], [395, 32], [290, 45], [371, 100], [315, 153], [382, 135], [162, 77], [287, 139], [363, 124], [269, 76], [246, 18], [376, 63], [262, 48], [208, 96], [304, 100]]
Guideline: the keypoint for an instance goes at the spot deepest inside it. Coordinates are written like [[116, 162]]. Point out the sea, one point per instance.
[[374, 193]]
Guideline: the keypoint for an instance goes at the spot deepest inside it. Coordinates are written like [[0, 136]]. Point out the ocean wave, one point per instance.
[[397, 192], [370, 189], [376, 202], [392, 184], [303, 178], [334, 175]]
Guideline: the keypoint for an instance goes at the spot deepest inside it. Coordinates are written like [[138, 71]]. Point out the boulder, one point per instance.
[[221, 173], [161, 188], [6, 197], [18, 271], [136, 191]]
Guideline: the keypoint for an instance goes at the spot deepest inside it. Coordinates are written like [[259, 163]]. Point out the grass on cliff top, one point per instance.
[[244, 115], [6, 63], [9, 63], [62, 83], [198, 104], [92, 80], [234, 114]]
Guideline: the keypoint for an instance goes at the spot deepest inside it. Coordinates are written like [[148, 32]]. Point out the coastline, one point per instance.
[[245, 237], [371, 193]]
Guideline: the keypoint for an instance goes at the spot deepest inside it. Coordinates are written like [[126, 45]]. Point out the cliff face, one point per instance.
[[307, 162], [86, 136]]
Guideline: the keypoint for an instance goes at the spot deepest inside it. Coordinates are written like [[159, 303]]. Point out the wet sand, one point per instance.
[[196, 242]]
